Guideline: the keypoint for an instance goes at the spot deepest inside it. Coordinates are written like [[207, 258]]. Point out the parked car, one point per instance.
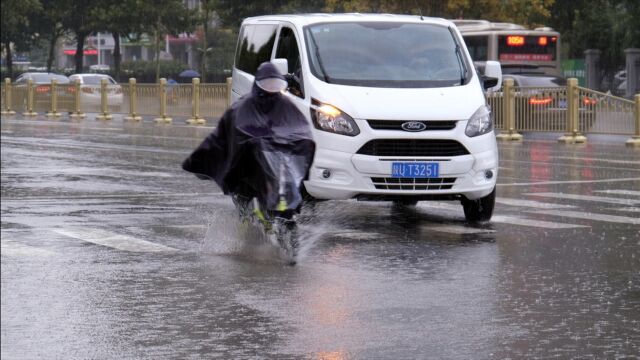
[[42, 89], [90, 90], [541, 103]]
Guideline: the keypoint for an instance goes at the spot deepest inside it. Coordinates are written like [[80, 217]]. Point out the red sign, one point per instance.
[[515, 40], [86, 52], [526, 57]]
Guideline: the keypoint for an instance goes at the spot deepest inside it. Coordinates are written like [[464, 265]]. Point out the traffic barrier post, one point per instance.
[[573, 135], [229, 89], [195, 104], [162, 89], [54, 100], [29, 110], [104, 108], [7, 98], [133, 102], [77, 113], [509, 111], [635, 139]]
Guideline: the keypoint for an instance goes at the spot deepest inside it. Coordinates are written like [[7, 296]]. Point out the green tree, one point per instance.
[[120, 18], [166, 17], [50, 25], [18, 31], [81, 23]]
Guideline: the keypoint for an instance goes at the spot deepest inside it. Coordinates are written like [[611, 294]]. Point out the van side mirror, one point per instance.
[[492, 76], [293, 80]]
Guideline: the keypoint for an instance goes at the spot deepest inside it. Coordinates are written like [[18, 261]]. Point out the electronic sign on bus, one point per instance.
[[527, 48]]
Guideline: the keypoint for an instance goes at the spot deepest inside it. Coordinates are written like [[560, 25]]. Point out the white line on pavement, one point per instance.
[[13, 248], [531, 203], [512, 220], [456, 229], [590, 216], [113, 240], [619, 192], [627, 209], [109, 196], [602, 199]]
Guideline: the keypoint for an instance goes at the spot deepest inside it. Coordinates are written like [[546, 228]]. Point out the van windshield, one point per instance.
[[382, 54]]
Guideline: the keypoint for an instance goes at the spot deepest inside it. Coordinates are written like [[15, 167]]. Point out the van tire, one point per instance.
[[479, 210]]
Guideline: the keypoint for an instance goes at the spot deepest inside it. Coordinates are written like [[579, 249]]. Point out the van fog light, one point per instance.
[[488, 174], [326, 173]]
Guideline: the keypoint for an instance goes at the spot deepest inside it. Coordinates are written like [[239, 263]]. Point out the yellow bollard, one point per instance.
[[195, 104], [133, 102], [573, 135], [229, 89], [77, 113], [104, 114], [29, 110], [54, 100], [635, 139], [509, 111], [162, 88], [7, 98]]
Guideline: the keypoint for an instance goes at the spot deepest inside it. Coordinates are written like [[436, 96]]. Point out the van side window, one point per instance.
[[288, 49], [477, 46], [254, 46]]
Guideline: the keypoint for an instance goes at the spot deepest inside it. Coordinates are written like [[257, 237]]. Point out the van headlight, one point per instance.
[[480, 122], [329, 118]]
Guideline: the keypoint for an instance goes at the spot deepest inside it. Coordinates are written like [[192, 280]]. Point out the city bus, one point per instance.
[[518, 49]]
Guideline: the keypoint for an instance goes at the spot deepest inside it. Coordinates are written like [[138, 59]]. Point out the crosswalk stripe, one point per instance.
[[619, 192], [613, 161], [513, 220], [627, 209], [113, 240], [602, 199], [13, 248], [590, 216], [456, 229], [531, 203]]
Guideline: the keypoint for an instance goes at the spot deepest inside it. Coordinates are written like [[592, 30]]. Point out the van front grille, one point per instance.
[[397, 124], [388, 183], [413, 147]]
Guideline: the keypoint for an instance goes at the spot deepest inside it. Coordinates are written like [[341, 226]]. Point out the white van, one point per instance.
[[396, 105]]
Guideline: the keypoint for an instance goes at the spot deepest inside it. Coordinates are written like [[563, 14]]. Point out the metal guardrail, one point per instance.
[[572, 110]]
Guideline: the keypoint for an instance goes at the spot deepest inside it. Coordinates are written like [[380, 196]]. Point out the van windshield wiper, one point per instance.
[[317, 53]]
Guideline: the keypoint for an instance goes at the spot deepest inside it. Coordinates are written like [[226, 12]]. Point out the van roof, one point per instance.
[[306, 19]]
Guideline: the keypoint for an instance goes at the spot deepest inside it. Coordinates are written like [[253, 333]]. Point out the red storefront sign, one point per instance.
[[86, 52]]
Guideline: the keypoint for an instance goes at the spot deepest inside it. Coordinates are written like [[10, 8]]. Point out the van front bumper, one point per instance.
[[340, 175]]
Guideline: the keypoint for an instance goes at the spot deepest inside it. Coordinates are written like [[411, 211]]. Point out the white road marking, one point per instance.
[[513, 220], [12, 248], [108, 196], [619, 192], [113, 240], [627, 209], [456, 229], [570, 182], [356, 235], [602, 199], [613, 161], [590, 216], [531, 203]]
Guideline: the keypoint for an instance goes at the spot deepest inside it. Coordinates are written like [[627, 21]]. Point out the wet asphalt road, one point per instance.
[[110, 251]]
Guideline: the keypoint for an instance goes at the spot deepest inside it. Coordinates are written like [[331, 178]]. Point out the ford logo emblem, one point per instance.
[[413, 126]]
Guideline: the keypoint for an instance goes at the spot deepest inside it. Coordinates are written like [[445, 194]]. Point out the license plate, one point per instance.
[[414, 170]]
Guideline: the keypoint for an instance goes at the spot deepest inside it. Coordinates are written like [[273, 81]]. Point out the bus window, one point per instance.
[[477, 46], [527, 48]]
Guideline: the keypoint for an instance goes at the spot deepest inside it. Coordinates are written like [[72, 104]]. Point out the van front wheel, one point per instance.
[[480, 209]]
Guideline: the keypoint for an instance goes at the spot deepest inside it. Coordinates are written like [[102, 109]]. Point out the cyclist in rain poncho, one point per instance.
[[262, 147]]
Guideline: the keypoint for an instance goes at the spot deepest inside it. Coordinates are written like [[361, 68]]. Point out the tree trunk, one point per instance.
[[9, 58], [52, 50], [157, 34], [116, 55], [203, 72], [79, 56]]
